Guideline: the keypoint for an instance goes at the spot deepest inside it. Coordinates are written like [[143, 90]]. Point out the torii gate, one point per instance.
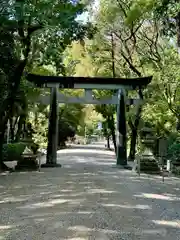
[[87, 83]]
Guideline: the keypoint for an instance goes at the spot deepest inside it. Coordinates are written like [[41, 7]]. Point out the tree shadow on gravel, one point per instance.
[[89, 200]]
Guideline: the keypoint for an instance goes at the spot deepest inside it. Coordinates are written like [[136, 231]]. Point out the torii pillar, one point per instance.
[[51, 157], [121, 138]]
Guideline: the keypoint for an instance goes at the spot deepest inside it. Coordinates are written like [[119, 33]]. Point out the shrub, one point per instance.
[[13, 151], [176, 170], [174, 151], [174, 147], [172, 138]]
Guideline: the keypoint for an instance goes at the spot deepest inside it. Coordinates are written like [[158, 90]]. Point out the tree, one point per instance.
[[55, 26], [87, 61], [140, 48], [108, 112], [162, 110], [106, 133], [71, 116], [166, 12]]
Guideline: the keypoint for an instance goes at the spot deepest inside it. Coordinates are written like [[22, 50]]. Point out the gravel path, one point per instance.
[[88, 199]]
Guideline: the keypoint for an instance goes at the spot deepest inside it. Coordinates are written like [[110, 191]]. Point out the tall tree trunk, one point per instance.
[[3, 167], [178, 124], [134, 130], [15, 125], [106, 134], [133, 142], [108, 142], [36, 119], [111, 126], [20, 127], [178, 29], [11, 129]]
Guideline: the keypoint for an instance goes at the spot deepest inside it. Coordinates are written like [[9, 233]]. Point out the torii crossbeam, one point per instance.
[[88, 82], [121, 84]]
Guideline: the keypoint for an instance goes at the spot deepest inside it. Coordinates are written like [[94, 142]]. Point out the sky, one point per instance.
[[86, 15]]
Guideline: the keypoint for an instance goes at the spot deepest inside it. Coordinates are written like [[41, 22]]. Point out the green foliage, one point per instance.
[[71, 117], [174, 151], [163, 95], [139, 50], [65, 131], [174, 147], [37, 32], [92, 117], [105, 130], [164, 11], [139, 9], [13, 151], [39, 121]]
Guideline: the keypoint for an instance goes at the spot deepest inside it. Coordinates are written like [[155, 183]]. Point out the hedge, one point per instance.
[[13, 151]]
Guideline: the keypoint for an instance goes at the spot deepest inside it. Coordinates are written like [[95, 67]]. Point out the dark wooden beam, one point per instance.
[[68, 82]]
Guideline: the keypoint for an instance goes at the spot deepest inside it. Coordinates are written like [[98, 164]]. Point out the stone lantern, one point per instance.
[[148, 162], [147, 140]]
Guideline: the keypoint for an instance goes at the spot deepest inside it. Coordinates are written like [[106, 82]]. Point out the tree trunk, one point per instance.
[[114, 139], [111, 126], [11, 129], [1, 144], [178, 124], [108, 142], [134, 134], [3, 166], [178, 29], [106, 134], [20, 126], [36, 119], [132, 152]]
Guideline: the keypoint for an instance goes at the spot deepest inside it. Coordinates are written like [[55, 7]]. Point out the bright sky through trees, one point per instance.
[[89, 14]]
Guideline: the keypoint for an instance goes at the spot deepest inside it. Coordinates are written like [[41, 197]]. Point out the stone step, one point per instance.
[[149, 165], [147, 159], [152, 172], [150, 169]]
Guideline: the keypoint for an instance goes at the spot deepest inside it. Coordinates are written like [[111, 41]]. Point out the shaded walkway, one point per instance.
[[88, 199]]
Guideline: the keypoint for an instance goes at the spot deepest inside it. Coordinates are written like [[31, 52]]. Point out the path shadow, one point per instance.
[[89, 200]]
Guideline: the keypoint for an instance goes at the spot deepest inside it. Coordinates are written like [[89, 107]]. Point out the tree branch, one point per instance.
[[131, 66], [119, 2]]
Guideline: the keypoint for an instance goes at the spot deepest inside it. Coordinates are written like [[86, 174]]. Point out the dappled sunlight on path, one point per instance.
[[88, 199]]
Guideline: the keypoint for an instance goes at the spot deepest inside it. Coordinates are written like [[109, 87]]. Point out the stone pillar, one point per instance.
[[51, 158], [121, 152]]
